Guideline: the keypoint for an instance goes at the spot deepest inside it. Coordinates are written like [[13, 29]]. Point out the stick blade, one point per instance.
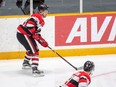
[[80, 68]]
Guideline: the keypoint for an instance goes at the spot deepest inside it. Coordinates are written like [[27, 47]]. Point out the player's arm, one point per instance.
[[31, 23], [72, 82], [77, 82], [40, 39]]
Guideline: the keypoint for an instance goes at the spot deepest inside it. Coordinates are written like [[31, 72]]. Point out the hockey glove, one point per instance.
[[43, 42], [19, 4], [39, 38]]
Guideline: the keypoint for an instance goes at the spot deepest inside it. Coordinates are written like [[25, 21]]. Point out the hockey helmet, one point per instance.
[[42, 7], [89, 66]]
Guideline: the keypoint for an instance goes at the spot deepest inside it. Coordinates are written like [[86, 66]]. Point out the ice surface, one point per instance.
[[57, 71]]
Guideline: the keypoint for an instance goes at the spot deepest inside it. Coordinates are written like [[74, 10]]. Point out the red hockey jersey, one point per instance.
[[79, 79], [31, 25]]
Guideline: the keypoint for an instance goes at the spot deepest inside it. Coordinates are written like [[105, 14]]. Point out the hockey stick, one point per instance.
[[22, 10], [65, 59]]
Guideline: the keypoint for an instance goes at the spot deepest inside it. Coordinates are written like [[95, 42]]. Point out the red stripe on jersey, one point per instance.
[[33, 30], [39, 17], [30, 22], [83, 74], [22, 31], [35, 59], [70, 85], [83, 80]]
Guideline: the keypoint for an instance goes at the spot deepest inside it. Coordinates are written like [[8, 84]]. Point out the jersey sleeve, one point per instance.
[[32, 25], [79, 79], [39, 20], [72, 82]]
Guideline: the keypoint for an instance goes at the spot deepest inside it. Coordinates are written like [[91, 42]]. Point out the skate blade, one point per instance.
[[26, 67], [38, 75]]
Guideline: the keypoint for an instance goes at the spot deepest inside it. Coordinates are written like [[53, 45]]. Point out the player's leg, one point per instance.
[[34, 55], [32, 52], [26, 62], [21, 38]]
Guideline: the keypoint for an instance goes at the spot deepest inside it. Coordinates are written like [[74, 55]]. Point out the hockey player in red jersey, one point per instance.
[[28, 33], [81, 78]]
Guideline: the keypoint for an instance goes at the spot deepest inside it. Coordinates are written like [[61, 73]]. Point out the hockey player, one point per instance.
[[2, 3], [28, 33], [26, 9], [81, 78]]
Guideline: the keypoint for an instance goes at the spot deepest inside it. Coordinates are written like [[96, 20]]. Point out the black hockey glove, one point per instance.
[[19, 4]]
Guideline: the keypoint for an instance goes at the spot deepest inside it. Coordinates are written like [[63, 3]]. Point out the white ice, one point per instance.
[[57, 71]]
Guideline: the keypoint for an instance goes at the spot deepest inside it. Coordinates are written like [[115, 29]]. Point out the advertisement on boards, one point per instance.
[[85, 29]]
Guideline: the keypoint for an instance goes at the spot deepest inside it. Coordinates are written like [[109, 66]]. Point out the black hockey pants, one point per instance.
[[29, 43]]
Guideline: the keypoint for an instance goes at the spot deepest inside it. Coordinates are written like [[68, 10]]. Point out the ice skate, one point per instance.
[[26, 65], [36, 72]]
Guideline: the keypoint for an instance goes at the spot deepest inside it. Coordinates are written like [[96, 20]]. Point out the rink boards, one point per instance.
[[68, 34]]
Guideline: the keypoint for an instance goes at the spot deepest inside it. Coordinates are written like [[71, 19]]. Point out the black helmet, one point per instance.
[[88, 66], [42, 7]]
